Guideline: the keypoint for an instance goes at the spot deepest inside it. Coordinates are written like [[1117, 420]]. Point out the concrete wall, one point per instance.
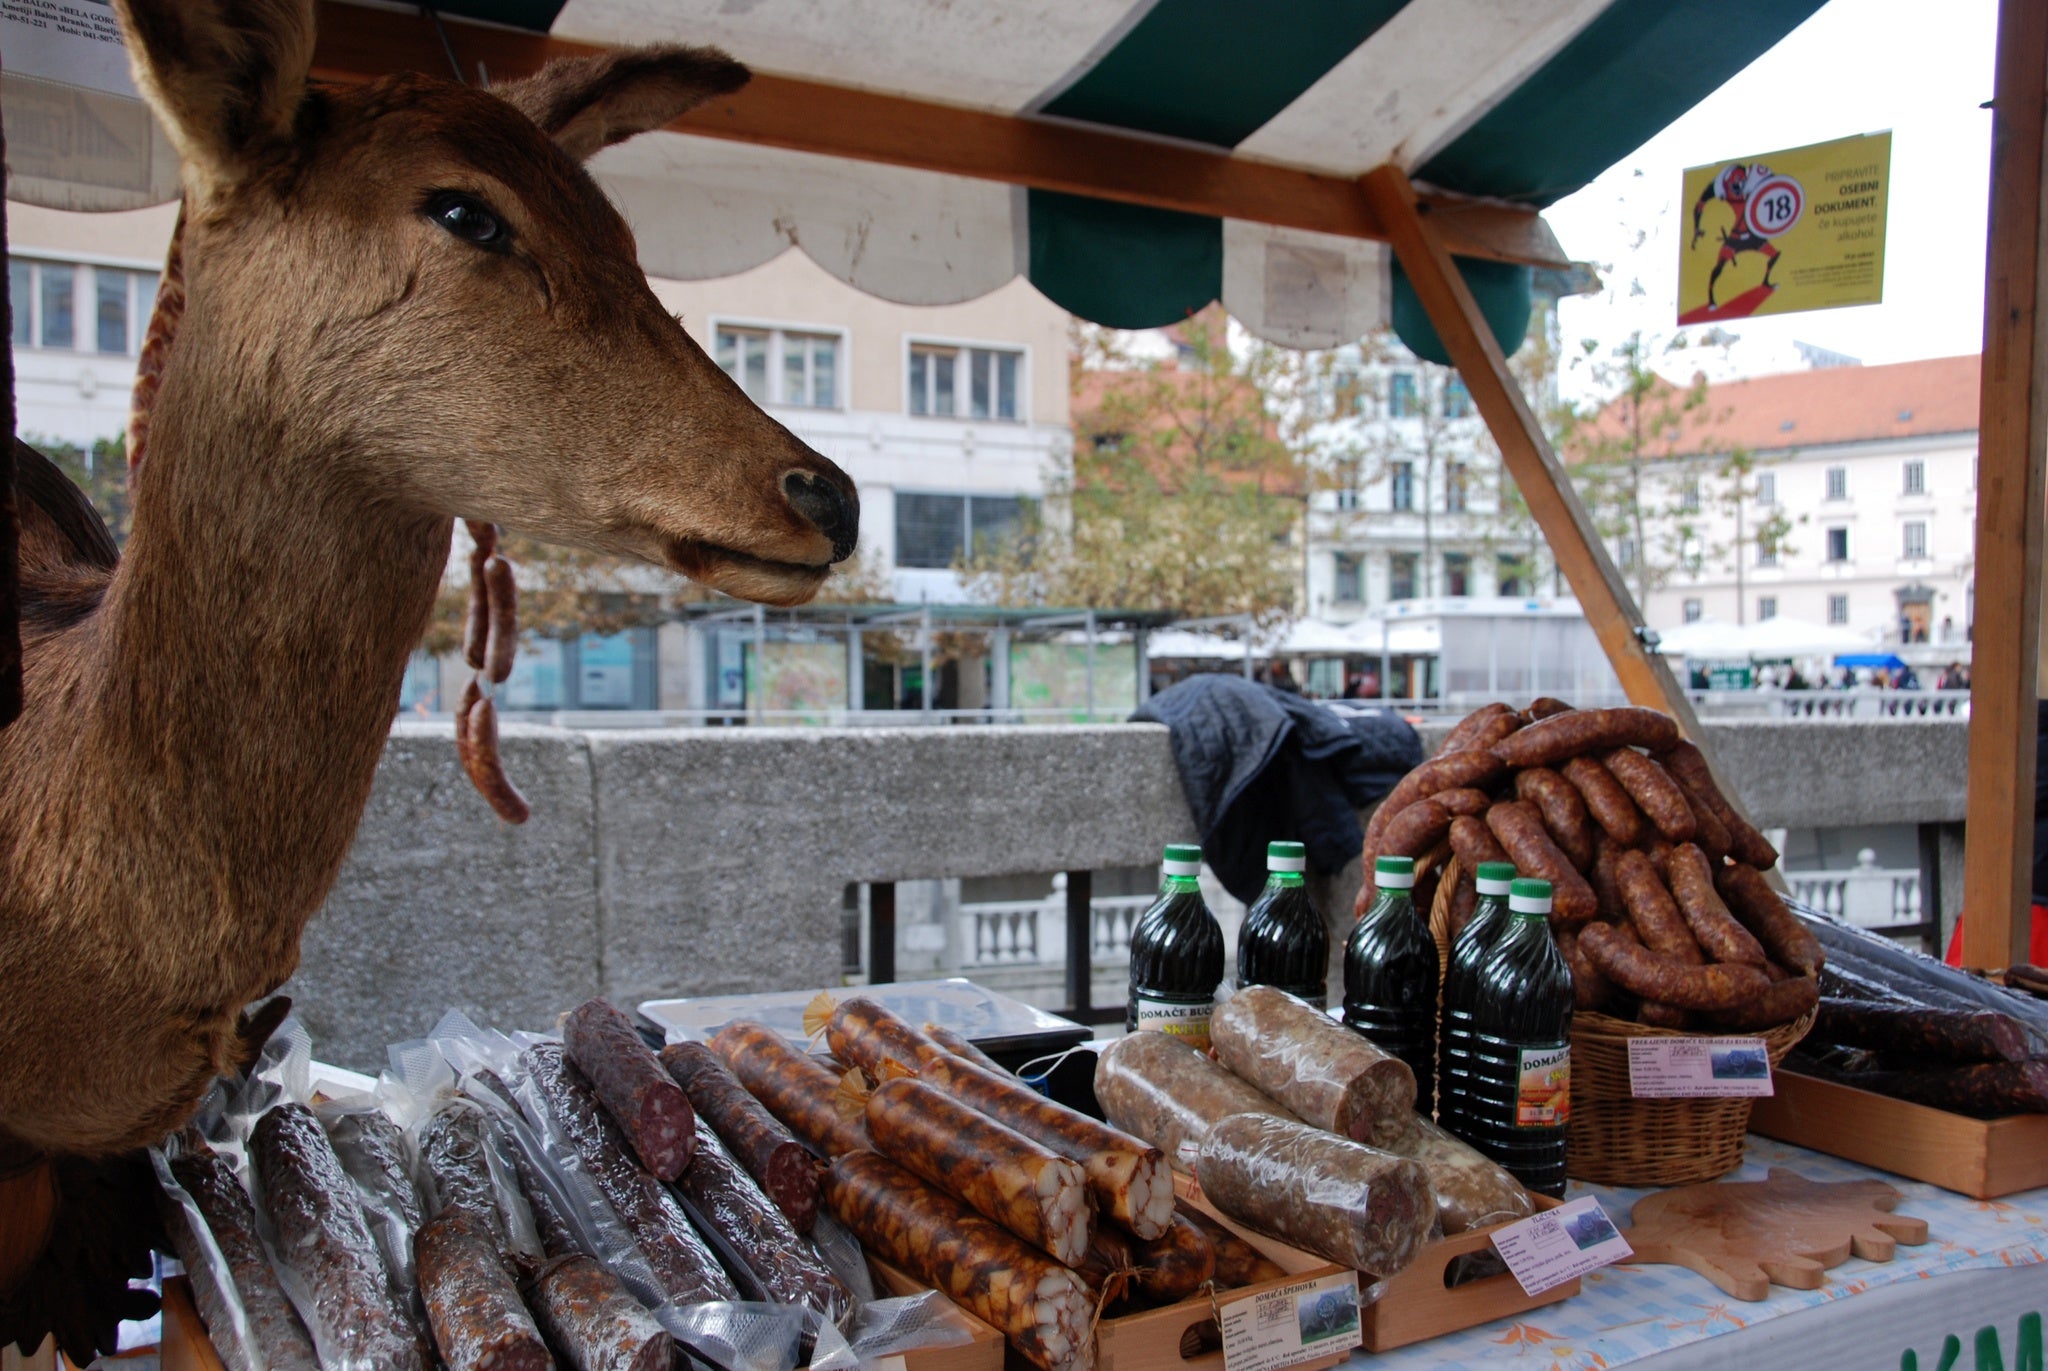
[[715, 860]]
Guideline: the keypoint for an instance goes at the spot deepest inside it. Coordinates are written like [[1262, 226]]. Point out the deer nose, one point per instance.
[[834, 511]]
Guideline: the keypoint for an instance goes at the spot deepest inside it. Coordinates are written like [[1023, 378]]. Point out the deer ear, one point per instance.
[[588, 103], [226, 77]]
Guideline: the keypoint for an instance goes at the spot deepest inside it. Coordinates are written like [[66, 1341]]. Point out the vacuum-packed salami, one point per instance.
[[324, 1241], [590, 1319], [1043, 1308], [960, 1047], [1128, 1179], [1953, 1035], [453, 1149], [1175, 1265], [1155, 1087], [1581, 731], [1345, 1202], [783, 1264], [864, 1034], [281, 1341], [1783, 934], [1029, 1189], [1238, 1263], [1471, 1190], [1326, 1074], [550, 1223], [478, 1320], [649, 1107], [797, 1088], [1986, 1090], [684, 1266], [780, 1164], [371, 1148]]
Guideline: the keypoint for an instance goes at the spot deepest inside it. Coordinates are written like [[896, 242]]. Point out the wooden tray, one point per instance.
[[1418, 1304], [1981, 1158]]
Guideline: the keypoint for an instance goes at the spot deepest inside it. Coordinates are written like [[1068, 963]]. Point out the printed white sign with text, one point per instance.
[[1302, 1321], [1698, 1068], [1548, 1249]]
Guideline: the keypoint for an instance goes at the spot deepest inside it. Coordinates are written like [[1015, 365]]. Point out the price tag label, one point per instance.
[[1301, 1321], [1698, 1068], [1548, 1249]]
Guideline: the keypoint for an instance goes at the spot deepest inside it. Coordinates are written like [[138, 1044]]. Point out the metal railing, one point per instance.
[[1869, 897]]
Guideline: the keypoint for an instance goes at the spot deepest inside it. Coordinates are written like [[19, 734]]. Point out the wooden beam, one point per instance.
[[361, 44], [1612, 611], [2012, 443]]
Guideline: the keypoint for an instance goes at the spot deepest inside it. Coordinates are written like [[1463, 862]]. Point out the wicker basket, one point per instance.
[[1614, 1139]]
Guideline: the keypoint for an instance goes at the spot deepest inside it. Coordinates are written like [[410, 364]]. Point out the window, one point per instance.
[[1348, 567], [1401, 569], [19, 276], [934, 531], [1509, 575], [1689, 495], [1838, 483], [776, 367], [1347, 395], [1838, 545], [1916, 478], [1838, 609], [49, 298], [1457, 399], [1402, 486], [1766, 607], [1767, 488], [1625, 550], [56, 305], [1457, 573], [1347, 498], [1916, 540], [1766, 550], [1404, 400], [1693, 609], [964, 383], [110, 311], [1455, 487]]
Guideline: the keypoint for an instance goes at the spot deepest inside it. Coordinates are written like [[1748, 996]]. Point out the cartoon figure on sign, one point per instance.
[[1764, 205]]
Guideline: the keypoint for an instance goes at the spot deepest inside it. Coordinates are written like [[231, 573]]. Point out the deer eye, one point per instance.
[[468, 218]]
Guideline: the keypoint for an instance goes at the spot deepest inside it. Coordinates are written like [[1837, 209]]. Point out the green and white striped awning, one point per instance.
[[1522, 101]]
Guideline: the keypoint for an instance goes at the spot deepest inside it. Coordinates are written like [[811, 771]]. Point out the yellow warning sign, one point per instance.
[[1781, 232]]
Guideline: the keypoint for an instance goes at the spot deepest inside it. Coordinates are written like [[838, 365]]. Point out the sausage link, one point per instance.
[[1692, 883], [1563, 810], [643, 1099], [1464, 800], [1446, 771], [783, 1267], [1708, 830], [1415, 830], [476, 626], [1460, 737], [768, 1151], [1647, 976], [1040, 1306], [1474, 843], [1584, 731], [474, 1309], [484, 537], [960, 1047], [480, 759], [1955, 1035], [1543, 706], [281, 1341], [1653, 911], [1238, 1263], [864, 1034], [1519, 826], [1176, 1264], [1987, 1090], [1494, 730], [501, 642], [453, 1154], [1606, 884], [1663, 1015], [1783, 934], [796, 1087], [588, 1316], [1689, 766], [1002, 1175], [1590, 990], [1781, 1003], [1654, 792], [1464, 902], [1127, 1178], [1606, 800]]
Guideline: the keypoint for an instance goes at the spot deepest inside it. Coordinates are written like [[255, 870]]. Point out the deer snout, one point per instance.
[[834, 511]]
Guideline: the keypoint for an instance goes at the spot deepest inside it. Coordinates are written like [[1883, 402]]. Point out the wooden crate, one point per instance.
[[1981, 1158], [184, 1345], [1418, 1304]]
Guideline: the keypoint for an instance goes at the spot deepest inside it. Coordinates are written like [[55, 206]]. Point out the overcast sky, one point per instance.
[[1858, 66]]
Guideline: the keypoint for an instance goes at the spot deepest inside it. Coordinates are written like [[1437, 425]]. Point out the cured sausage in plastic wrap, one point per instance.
[[1471, 1189], [1325, 1073], [644, 1100], [960, 1047], [478, 1320], [1029, 1189], [454, 1147], [1238, 1263], [780, 1164], [590, 1319], [864, 1034], [1986, 1090], [1174, 1265], [1128, 1179], [1156, 1087], [1783, 934], [324, 1243], [281, 1341], [1910, 1031], [796, 1087], [786, 1268], [1582, 731], [1043, 1308], [684, 1266], [1341, 1200]]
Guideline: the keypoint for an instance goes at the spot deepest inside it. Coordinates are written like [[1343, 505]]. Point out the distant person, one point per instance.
[[1794, 680], [1283, 679]]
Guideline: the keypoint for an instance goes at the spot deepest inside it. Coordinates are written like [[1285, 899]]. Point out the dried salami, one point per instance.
[[454, 1147], [478, 1320], [590, 1319], [780, 1164], [784, 1266], [796, 1087], [649, 1107], [281, 1340]]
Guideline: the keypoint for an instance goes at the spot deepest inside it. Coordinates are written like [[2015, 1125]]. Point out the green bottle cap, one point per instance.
[[1183, 859], [1529, 896], [1286, 857], [1493, 878], [1394, 873]]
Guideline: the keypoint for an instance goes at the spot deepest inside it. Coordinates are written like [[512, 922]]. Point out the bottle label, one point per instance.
[[1544, 1096], [1188, 1022]]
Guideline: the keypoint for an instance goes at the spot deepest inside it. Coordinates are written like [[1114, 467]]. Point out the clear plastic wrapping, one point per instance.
[[1472, 1190], [1158, 1088], [1345, 1202], [1322, 1071]]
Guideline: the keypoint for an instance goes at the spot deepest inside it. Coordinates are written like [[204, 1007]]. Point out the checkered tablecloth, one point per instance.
[[1628, 1312]]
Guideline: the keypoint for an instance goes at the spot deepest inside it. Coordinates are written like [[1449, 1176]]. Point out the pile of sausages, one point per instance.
[[1659, 904], [1031, 1215]]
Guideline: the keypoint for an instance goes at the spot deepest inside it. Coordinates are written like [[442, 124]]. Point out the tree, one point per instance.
[[101, 471]]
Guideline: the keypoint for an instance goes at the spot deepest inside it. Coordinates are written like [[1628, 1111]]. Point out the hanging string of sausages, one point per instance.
[[490, 641]]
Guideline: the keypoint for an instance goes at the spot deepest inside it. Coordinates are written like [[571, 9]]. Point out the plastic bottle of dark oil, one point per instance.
[[1454, 1035], [1390, 977], [1283, 943], [1522, 1046], [1176, 955]]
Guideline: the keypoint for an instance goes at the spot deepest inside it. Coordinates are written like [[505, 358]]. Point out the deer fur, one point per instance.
[[205, 715]]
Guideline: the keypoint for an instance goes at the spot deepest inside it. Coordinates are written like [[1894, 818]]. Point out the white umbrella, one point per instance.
[[1182, 643], [1398, 637], [1782, 637], [1314, 638], [1705, 640]]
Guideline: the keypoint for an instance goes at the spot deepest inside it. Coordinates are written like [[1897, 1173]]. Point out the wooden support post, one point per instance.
[[1080, 944], [881, 932], [2012, 441]]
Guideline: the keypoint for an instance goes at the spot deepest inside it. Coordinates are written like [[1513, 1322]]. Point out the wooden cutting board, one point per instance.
[[1787, 1229]]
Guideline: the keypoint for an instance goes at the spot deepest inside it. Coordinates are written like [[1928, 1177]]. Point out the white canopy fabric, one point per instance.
[[1768, 640], [1705, 640], [1183, 643], [1314, 638], [1397, 637]]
